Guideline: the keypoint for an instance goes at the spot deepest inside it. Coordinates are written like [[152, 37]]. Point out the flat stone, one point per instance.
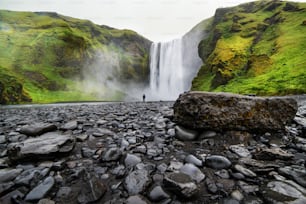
[[37, 129], [180, 184], [248, 188], [194, 172], [240, 150], [244, 171], [41, 190], [185, 134], [283, 192], [225, 111], [7, 175], [218, 162], [258, 163], [99, 132], [49, 145], [46, 201], [71, 125], [2, 139], [297, 173], [137, 181], [272, 154]]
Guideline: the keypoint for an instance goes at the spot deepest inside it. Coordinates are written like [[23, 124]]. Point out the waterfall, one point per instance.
[[167, 70]]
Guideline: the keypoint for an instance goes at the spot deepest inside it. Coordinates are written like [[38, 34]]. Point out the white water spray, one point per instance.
[[166, 70]]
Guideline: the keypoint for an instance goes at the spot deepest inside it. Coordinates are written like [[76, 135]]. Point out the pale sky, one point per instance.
[[157, 20]]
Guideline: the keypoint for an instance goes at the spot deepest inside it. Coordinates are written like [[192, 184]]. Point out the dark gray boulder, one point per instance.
[[225, 111]]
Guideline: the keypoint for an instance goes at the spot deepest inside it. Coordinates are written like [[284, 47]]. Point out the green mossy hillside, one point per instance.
[[255, 48], [46, 57]]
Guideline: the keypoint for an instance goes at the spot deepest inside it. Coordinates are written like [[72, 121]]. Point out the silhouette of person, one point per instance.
[[143, 97]]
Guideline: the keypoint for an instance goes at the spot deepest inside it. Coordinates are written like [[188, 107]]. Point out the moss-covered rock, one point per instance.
[[50, 55], [257, 47]]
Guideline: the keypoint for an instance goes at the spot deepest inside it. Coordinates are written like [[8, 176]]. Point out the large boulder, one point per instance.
[[225, 111]]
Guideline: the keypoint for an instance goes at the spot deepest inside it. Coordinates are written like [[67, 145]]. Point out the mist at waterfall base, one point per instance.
[[173, 65]]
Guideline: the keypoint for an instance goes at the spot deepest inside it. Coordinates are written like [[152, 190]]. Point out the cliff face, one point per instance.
[[258, 47], [51, 57]]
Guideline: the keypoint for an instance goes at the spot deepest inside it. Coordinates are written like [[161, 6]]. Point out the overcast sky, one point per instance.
[[157, 20]]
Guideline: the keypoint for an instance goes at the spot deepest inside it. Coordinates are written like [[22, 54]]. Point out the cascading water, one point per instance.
[[166, 70]]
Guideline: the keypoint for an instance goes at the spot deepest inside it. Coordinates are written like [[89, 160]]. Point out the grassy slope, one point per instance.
[[45, 53], [257, 47]]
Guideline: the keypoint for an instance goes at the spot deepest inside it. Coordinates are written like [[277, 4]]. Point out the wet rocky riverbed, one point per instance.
[[130, 153]]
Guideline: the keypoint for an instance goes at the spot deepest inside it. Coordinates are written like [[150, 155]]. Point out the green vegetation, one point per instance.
[[258, 47], [44, 57]]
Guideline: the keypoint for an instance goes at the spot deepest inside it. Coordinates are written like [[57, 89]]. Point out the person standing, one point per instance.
[[144, 98]]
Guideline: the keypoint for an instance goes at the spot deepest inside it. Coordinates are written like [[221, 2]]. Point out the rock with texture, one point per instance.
[[37, 129], [48, 145], [224, 111]]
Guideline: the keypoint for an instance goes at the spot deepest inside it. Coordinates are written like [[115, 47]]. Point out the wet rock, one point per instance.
[[31, 176], [218, 162], [194, 172], [272, 154], [193, 160], [7, 175], [37, 129], [131, 160], [240, 150], [180, 184], [137, 181], [71, 125], [112, 154], [41, 190], [158, 194], [49, 145], [224, 111], [283, 192], [184, 134], [296, 173]]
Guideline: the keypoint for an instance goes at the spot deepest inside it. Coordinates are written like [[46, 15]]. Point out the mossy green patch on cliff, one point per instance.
[[49, 55], [258, 47]]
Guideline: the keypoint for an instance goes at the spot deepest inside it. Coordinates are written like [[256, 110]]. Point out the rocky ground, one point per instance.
[[131, 153]]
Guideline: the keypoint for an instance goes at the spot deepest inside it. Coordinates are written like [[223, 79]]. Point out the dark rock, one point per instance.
[[112, 154], [49, 145], [248, 188], [184, 134], [137, 181], [92, 189], [283, 192], [218, 162], [297, 173], [224, 111], [272, 154], [41, 190], [180, 184], [5, 187], [37, 129]]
